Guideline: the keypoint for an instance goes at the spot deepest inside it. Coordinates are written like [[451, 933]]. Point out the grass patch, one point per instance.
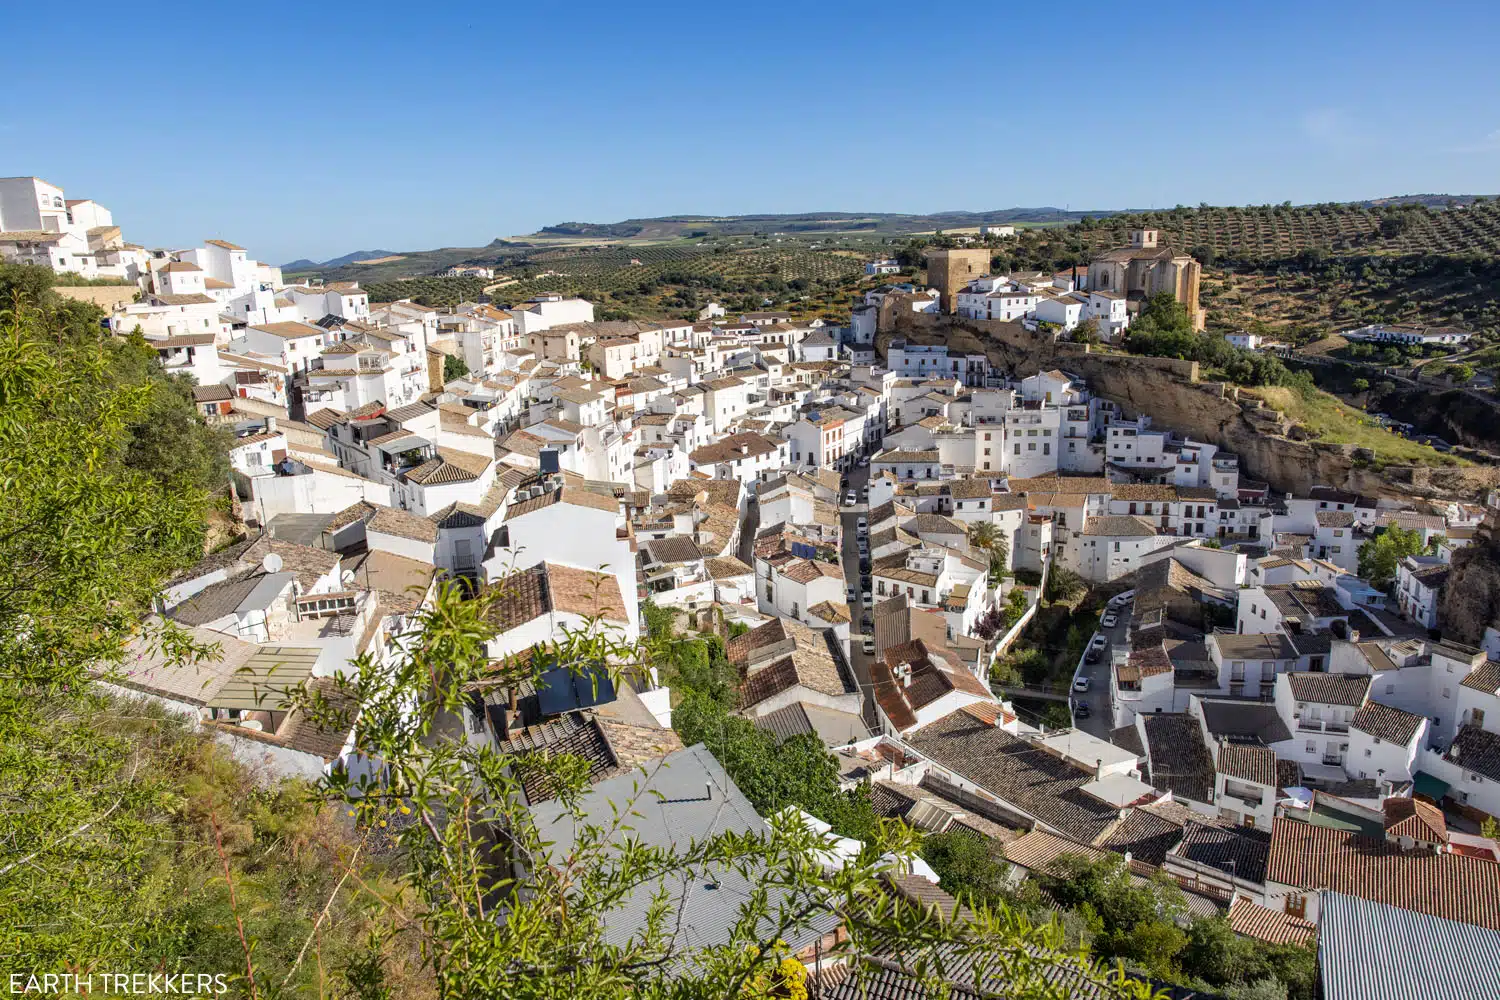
[[1332, 421]]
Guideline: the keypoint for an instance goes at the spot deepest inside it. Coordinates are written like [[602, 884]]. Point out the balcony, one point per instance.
[[1333, 759], [1320, 725]]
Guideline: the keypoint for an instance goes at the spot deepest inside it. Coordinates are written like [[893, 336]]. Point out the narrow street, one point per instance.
[[849, 554], [1099, 721]]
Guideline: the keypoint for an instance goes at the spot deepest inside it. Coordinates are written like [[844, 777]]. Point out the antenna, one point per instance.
[[271, 563]]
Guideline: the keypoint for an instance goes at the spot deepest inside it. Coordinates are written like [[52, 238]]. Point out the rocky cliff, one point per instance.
[[1168, 391], [1471, 600]]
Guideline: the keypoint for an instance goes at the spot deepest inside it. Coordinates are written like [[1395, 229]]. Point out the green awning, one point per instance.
[[1425, 784]]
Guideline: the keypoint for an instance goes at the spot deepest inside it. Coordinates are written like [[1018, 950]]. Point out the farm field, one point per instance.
[[663, 281]]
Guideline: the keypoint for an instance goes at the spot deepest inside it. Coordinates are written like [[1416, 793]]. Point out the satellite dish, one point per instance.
[[271, 563]]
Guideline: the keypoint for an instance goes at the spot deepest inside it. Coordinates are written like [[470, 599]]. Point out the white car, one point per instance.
[[1098, 642], [1110, 620], [864, 463], [868, 645], [1081, 685], [849, 500]]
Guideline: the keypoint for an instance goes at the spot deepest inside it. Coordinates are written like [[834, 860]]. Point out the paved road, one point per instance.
[[1098, 723], [849, 517]]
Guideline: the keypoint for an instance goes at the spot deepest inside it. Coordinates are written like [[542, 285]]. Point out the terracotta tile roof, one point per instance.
[[449, 467], [1415, 818], [213, 394], [290, 330], [1272, 926], [1143, 491], [1062, 484], [1180, 761], [1486, 677], [325, 418], [550, 587], [1015, 770], [1119, 525], [361, 510], [1146, 835], [1237, 850], [1247, 762], [1453, 886], [402, 524], [1477, 750], [832, 612], [569, 495], [1329, 689], [1387, 723], [970, 489], [805, 571], [727, 567], [735, 446]]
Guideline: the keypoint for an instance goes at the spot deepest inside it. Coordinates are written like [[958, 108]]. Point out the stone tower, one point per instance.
[[949, 270]]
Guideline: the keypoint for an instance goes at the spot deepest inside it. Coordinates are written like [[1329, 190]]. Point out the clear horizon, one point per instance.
[[377, 127]]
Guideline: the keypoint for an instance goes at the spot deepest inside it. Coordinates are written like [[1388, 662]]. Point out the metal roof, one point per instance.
[[688, 798], [1371, 951]]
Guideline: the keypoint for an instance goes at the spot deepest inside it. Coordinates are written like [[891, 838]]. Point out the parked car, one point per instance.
[[864, 564], [864, 462], [1098, 642], [1081, 685], [853, 595], [864, 583], [1082, 710], [849, 500], [868, 645], [867, 626], [865, 597], [1110, 619]]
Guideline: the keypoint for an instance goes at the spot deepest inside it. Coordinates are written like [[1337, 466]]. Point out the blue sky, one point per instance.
[[324, 128]]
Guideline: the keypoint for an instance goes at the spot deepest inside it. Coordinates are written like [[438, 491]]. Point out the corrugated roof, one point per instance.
[[1372, 951]]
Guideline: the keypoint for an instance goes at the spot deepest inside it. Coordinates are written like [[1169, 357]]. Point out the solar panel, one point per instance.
[[561, 690]]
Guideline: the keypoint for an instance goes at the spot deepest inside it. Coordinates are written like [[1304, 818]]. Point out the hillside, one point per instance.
[[884, 223]]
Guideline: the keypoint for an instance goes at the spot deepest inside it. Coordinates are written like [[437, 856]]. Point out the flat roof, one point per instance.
[[1085, 750]]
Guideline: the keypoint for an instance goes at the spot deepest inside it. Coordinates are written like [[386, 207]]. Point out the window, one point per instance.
[[1447, 692], [1311, 747]]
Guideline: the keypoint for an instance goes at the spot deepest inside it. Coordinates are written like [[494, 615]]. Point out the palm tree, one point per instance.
[[984, 538]]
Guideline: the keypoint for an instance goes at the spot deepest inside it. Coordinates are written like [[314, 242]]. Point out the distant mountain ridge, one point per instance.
[[679, 226], [804, 224], [303, 264]]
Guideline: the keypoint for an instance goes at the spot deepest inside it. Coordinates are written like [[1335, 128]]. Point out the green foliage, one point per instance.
[[1360, 385], [660, 622], [1063, 584], [453, 368], [127, 840], [1164, 330], [438, 292], [1135, 924], [968, 866], [1380, 557], [798, 772], [106, 487]]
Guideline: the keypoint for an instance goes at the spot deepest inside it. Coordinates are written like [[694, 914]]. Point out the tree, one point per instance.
[[1204, 255], [453, 368], [985, 538], [1063, 584], [80, 493], [1360, 385], [968, 868], [1381, 556]]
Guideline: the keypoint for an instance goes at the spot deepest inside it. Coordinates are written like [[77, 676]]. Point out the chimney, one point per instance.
[[270, 425]]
